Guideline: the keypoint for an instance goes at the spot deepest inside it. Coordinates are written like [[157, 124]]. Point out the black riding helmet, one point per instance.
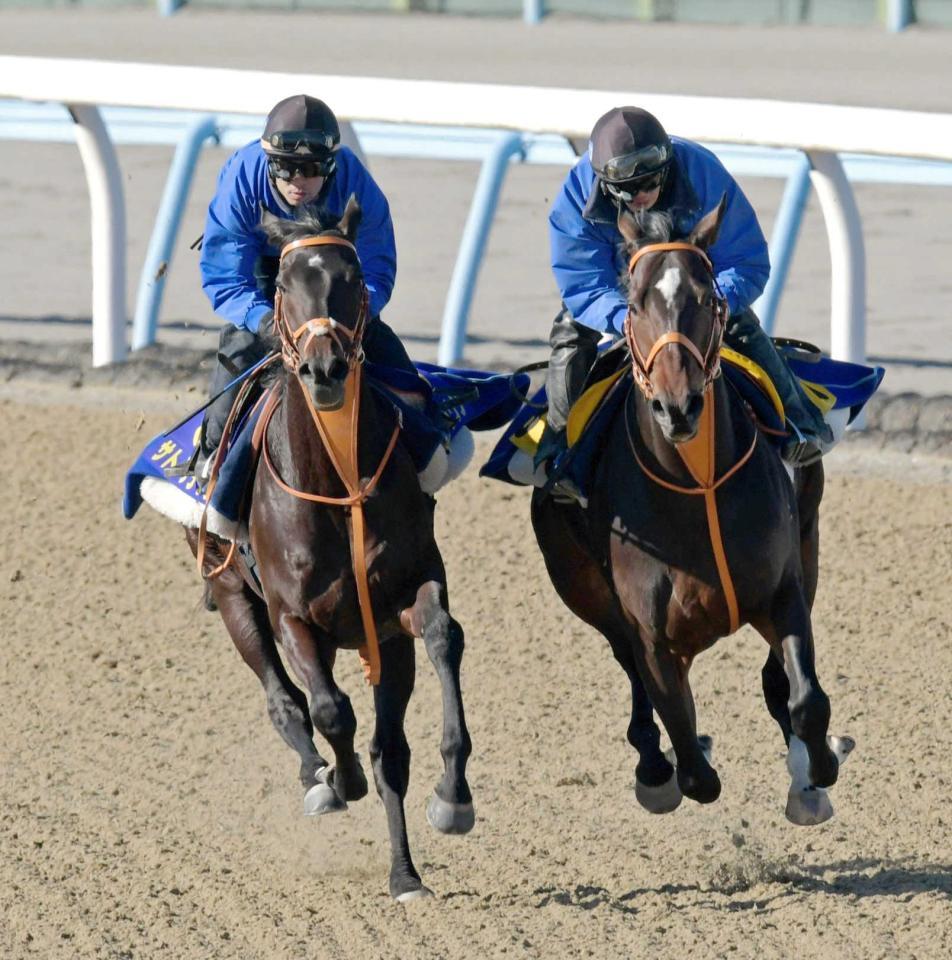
[[629, 145], [301, 133]]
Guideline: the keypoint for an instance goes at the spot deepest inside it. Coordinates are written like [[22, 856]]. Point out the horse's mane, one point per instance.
[[308, 222]]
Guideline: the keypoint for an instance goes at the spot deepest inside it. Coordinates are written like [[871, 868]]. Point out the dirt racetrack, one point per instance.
[[148, 809]]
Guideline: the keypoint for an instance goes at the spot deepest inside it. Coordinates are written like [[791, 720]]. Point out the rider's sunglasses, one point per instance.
[[283, 169], [626, 192], [629, 165]]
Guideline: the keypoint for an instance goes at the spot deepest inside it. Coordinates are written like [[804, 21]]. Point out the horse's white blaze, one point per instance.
[[668, 285]]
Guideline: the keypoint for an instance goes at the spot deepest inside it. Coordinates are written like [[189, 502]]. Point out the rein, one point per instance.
[[338, 431], [710, 360]]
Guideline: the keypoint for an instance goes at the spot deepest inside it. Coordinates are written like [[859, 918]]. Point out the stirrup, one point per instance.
[[565, 490]]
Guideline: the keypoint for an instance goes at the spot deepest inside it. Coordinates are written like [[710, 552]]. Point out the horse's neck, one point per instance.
[[304, 456], [732, 435]]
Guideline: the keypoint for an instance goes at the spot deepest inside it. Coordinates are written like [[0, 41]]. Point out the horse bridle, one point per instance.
[[710, 360], [291, 350]]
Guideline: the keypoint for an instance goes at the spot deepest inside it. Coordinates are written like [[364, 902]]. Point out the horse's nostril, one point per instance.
[[695, 405], [338, 369], [657, 406]]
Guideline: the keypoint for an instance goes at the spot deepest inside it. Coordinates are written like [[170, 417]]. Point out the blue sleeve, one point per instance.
[[739, 256], [584, 262], [231, 246], [375, 241]]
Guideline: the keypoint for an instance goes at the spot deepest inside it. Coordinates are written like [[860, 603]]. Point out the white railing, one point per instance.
[[821, 131]]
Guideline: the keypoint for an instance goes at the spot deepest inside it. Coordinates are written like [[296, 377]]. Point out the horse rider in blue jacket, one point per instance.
[[632, 162], [298, 162]]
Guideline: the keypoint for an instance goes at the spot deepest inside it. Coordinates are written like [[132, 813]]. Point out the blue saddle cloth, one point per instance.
[[455, 398], [850, 386]]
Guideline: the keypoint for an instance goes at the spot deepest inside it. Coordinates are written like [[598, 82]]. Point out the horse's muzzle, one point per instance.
[[324, 382], [678, 420]]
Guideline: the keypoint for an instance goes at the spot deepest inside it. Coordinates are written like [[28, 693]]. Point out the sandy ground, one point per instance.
[[44, 196], [149, 809]]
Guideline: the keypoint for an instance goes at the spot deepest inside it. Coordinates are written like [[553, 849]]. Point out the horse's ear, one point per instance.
[[350, 221], [629, 227], [273, 227], [705, 233]]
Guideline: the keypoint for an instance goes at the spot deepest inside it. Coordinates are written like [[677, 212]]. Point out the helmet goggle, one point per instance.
[[627, 191], [282, 168], [305, 143], [630, 165]]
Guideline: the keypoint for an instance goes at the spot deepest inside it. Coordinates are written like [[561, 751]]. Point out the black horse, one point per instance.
[[343, 539], [693, 528]]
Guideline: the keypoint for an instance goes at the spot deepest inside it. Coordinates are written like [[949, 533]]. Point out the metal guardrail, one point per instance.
[[189, 132], [823, 132]]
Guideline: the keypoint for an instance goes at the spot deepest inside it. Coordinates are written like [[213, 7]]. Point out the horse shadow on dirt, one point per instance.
[[860, 877], [788, 881]]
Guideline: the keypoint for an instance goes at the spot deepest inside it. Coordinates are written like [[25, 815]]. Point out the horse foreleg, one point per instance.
[[665, 677], [390, 755], [789, 629], [813, 758], [450, 808], [776, 689], [246, 618], [332, 715], [580, 582], [656, 783]]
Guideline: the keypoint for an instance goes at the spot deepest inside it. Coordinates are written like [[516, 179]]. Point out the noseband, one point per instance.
[[710, 360], [291, 350]]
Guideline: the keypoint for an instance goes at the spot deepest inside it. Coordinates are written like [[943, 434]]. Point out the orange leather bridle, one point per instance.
[[709, 361], [342, 451]]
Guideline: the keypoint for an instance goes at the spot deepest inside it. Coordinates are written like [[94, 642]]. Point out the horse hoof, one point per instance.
[[421, 893], [322, 798], [449, 817], [808, 806], [661, 799]]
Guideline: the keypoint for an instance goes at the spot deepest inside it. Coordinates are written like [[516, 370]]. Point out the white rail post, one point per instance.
[[847, 256], [108, 232]]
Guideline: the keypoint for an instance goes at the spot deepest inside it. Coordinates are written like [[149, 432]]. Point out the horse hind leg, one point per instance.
[[390, 756], [449, 809], [246, 618]]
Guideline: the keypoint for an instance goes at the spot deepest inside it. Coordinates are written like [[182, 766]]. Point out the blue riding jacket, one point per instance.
[[588, 253], [233, 246]]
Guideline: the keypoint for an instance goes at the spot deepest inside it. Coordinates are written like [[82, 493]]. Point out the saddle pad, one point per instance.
[[830, 384]]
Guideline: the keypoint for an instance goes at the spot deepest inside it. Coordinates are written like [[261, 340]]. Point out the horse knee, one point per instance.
[[444, 641]]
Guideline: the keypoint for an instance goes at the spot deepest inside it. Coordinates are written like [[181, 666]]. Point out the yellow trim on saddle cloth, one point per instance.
[[818, 395], [586, 405], [757, 374], [579, 416]]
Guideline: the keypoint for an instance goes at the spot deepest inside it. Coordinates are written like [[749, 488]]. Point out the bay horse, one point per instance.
[[693, 528], [342, 538]]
